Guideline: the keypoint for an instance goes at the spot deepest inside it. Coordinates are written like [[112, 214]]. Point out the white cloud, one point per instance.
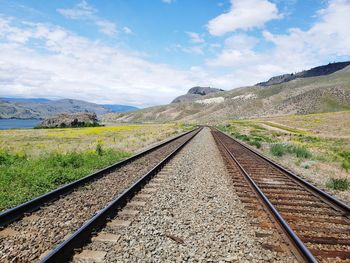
[[84, 11], [67, 65], [327, 40], [106, 27], [195, 37], [244, 14], [241, 42], [127, 30], [330, 36], [238, 50], [81, 10], [193, 50]]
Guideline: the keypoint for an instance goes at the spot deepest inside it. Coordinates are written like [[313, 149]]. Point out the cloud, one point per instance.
[[194, 50], [70, 66], [81, 10], [84, 11], [106, 27], [127, 30], [195, 37], [329, 36], [244, 14], [327, 40], [168, 1]]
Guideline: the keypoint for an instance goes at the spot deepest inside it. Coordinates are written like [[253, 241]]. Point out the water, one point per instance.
[[6, 124]]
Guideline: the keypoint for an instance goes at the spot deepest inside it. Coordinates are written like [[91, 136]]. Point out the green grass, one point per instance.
[[23, 178], [341, 184], [286, 128], [279, 149], [251, 140], [346, 160]]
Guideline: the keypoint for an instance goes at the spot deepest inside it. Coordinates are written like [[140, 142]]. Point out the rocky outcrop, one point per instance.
[[314, 72], [195, 93], [74, 120]]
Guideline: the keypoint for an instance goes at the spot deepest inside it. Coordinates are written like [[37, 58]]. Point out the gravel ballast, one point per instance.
[[192, 215], [27, 239]]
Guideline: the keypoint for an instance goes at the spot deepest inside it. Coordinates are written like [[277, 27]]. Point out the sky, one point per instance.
[[145, 53]]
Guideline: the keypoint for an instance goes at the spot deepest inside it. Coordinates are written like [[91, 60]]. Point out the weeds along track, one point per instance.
[[55, 218], [316, 225]]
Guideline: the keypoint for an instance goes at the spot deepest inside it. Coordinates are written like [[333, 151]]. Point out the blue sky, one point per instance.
[[145, 53]]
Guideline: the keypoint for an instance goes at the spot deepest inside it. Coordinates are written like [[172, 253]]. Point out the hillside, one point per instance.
[[299, 96], [42, 108], [195, 93], [314, 72]]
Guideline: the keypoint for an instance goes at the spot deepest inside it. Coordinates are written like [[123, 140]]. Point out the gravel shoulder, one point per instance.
[[193, 215]]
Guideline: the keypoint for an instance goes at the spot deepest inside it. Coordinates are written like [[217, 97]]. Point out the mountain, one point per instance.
[[25, 99], [119, 108], [195, 93], [38, 108], [314, 72], [325, 93]]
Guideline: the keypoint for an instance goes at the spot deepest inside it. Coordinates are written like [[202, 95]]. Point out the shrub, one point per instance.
[[346, 161], [255, 143], [346, 165], [300, 152], [99, 149], [278, 149], [341, 184], [241, 137]]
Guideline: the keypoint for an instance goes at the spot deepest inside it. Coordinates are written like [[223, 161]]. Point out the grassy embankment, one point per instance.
[[315, 145], [35, 161]]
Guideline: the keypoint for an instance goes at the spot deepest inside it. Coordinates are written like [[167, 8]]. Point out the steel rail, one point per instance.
[[79, 238], [303, 250], [327, 197], [13, 214]]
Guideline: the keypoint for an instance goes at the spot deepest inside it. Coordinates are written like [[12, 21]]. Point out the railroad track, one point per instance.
[[66, 217], [316, 225]]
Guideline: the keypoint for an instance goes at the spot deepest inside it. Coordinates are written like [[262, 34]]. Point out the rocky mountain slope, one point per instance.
[[314, 72], [195, 93], [298, 96], [42, 108]]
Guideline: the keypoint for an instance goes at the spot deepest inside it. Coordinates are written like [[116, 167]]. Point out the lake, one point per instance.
[[6, 124]]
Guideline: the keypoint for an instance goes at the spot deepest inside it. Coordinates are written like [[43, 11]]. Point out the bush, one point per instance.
[[99, 149], [300, 152], [346, 165], [340, 184], [346, 161], [278, 149], [255, 143], [241, 137]]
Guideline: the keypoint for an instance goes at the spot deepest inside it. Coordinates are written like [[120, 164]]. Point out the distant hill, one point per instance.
[[39, 108], [119, 108], [25, 99], [314, 72], [195, 93], [324, 93]]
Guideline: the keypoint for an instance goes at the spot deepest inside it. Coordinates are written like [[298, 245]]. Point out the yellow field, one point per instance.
[[129, 138]]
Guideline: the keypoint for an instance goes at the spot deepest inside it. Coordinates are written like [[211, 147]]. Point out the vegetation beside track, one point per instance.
[[310, 144], [36, 161]]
